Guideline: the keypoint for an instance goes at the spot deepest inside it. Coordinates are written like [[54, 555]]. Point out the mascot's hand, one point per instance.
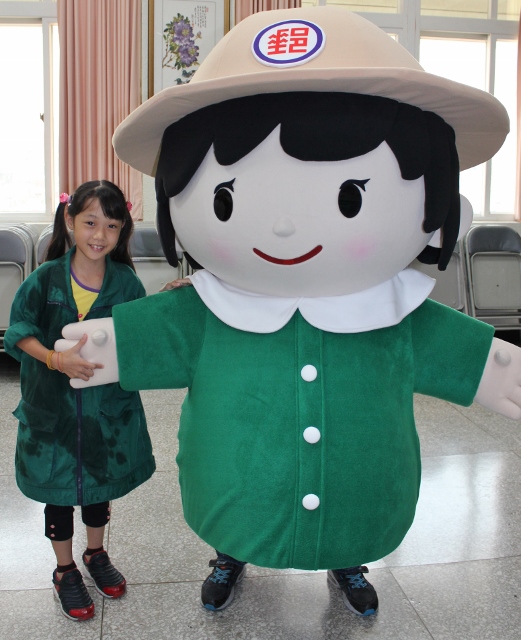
[[500, 386], [100, 347]]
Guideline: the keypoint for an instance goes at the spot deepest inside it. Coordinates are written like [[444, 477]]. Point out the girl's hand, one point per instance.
[[176, 284], [72, 364]]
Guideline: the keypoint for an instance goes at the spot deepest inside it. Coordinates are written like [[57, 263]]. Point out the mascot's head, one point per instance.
[[311, 156]]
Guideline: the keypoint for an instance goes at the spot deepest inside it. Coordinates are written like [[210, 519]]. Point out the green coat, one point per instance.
[[244, 463], [74, 447]]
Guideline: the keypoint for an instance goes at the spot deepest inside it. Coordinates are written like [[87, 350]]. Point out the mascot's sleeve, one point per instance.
[[450, 352], [159, 339]]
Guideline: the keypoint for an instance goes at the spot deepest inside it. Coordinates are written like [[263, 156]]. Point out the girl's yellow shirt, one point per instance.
[[84, 297]]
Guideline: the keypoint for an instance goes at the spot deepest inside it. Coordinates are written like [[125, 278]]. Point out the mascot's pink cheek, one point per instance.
[[221, 253], [359, 251]]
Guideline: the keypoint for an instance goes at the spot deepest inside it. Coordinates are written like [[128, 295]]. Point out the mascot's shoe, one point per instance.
[[71, 592], [217, 590], [359, 595], [107, 579]]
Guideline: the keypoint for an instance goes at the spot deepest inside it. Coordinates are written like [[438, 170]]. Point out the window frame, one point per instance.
[[46, 14]]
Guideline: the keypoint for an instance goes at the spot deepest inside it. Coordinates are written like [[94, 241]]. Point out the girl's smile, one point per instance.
[[95, 235]]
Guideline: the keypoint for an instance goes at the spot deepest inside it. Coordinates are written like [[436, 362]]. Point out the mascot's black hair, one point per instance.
[[318, 127]]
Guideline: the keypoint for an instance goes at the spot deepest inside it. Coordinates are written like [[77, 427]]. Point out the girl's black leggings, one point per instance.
[[59, 521]]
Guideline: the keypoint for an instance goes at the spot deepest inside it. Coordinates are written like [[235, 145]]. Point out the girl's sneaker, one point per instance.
[[71, 592], [107, 579], [358, 595]]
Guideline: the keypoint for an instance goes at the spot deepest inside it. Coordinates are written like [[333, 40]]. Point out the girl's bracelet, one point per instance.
[[48, 361]]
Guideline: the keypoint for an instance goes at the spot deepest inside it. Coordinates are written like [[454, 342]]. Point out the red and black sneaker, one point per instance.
[[107, 579], [71, 592]]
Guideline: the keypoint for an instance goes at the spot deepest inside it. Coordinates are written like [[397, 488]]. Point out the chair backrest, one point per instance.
[[493, 237], [41, 245], [13, 246]]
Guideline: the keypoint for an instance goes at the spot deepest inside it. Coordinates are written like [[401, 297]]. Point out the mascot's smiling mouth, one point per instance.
[[306, 256]]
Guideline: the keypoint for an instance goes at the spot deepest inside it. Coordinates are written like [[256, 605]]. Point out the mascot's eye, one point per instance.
[[350, 197], [223, 204], [223, 201]]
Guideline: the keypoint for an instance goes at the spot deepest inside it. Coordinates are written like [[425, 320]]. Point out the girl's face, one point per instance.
[[275, 225], [95, 235]]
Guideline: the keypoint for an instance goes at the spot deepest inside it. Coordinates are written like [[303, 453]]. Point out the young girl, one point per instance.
[[78, 447]]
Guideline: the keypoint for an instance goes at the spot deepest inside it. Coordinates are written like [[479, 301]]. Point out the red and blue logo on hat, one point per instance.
[[288, 43]]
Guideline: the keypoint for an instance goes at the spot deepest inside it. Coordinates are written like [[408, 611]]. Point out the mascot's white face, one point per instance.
[[275, 225]]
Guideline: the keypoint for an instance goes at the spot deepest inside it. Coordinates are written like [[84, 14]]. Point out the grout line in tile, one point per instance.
[[412, 605]]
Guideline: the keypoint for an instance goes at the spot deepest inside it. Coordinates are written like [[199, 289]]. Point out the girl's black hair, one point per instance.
[[114, 207], [318, 127]]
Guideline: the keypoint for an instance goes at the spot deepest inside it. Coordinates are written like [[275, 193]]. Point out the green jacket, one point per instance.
[[244, 462], [74, 447]]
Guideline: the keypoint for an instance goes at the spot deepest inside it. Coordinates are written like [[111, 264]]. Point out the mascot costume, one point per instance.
[[306, 165]]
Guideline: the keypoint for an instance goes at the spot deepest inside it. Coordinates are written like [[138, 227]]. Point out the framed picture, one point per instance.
[[181, 34]]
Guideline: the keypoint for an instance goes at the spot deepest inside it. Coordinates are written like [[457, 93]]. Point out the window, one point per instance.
[[490, 187], [471, 41], [463, 60], [29, 73]]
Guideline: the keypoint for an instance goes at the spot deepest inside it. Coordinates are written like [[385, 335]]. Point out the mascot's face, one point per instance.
[[275, 225]]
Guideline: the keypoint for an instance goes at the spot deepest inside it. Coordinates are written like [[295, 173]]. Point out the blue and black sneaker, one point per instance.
[[359, 595], [217, 590]]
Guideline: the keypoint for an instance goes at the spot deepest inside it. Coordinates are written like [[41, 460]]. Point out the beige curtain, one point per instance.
[[100, 84], [517, 214], [244, 8]]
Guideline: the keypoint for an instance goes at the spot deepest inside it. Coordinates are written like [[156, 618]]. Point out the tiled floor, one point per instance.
[[456, 576]]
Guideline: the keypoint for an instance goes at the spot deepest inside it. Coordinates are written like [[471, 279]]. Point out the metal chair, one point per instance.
[[493, 258]]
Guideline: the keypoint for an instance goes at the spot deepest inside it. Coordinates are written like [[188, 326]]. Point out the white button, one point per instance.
[[311, 501], [311, 435], [309, 373]]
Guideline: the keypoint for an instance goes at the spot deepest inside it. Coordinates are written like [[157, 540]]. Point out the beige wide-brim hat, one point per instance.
[[357, 57]]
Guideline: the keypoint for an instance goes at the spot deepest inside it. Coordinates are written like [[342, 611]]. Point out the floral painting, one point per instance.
[[185, 33], [181, 52]]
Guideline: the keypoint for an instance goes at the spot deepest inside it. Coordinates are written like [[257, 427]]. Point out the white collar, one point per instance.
[[384, 305]]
